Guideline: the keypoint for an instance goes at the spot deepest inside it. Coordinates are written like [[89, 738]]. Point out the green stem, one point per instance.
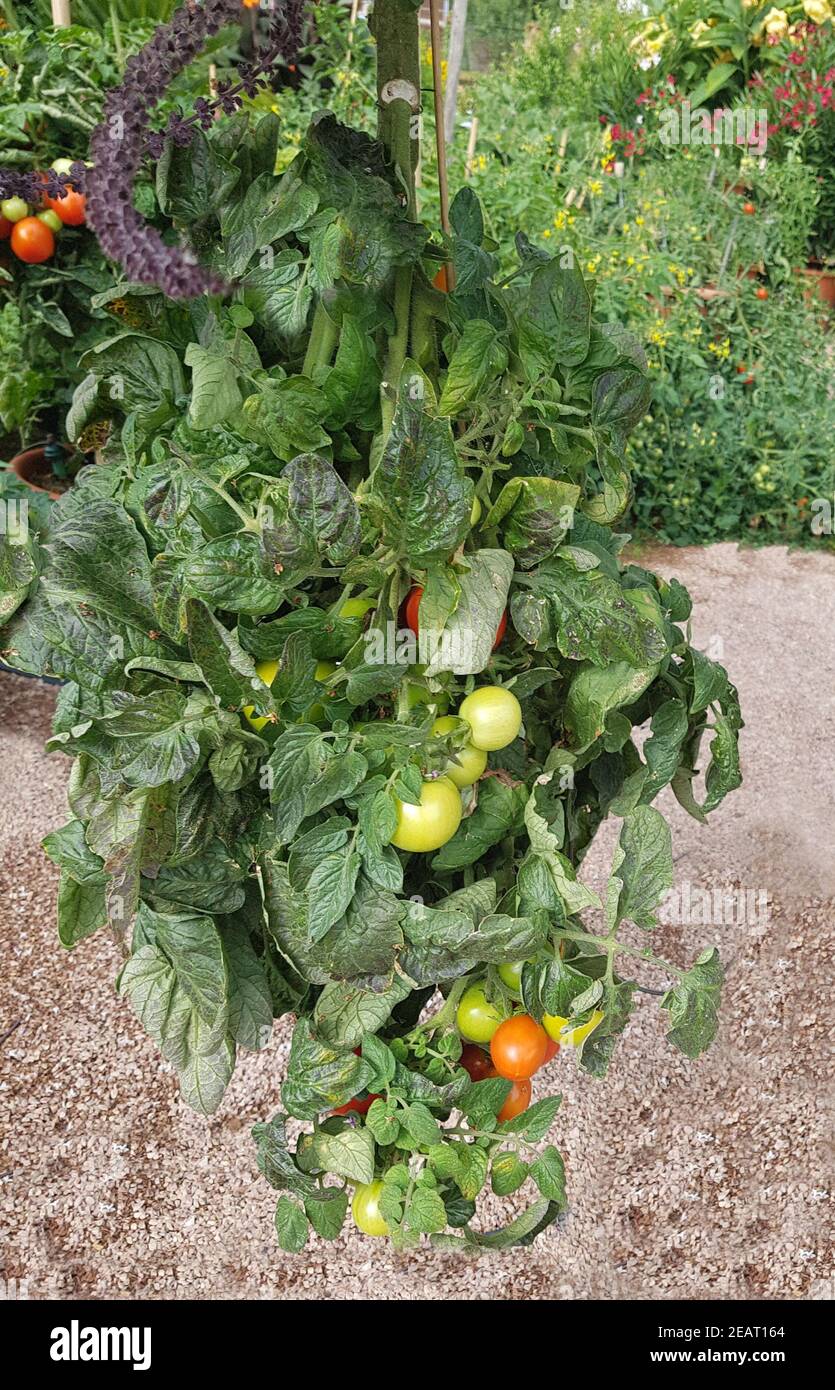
[[609, 945], [323, 336], [398, 345]]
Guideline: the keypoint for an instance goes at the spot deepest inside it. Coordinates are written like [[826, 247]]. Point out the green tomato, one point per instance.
[[62, 166], [356, 607], [476, 1017], [434, 821], [475, 514], [267, 670], [365, 1209], [51, 220], [510, 973], [422, 695], [14, 209], [471, 760], [317, 711], [494, 716], [554, 1023]]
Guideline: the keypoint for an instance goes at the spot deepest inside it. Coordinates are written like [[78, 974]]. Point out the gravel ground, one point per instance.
[[687, 1180]]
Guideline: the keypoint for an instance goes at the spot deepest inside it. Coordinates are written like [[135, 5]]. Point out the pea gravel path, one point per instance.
[[696, 1180]]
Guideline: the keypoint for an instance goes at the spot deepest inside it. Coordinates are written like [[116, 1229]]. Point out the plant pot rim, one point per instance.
[[19, 465]]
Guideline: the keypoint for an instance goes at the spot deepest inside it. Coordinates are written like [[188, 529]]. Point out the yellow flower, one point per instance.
[[699, 28], [547, 231], [639, 221], [595, 187], [776, 23], [817, 10], [630, 260]]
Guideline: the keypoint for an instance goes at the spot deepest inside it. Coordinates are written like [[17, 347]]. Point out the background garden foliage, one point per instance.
[[735, 444]]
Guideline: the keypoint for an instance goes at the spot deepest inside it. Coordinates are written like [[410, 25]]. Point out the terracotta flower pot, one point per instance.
[[32, 468], [820, 284]]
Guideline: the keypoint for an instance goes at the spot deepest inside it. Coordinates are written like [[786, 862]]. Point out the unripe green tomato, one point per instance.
[[475, 514], [434, 821], [365, 1209], [51, 220], [552, 1023], [422, 695], [471, 760], [494, 716], [510, 974], [356, 607], [14, 209], [317, 711], [267, 670], [61, 166], [476, 1017]]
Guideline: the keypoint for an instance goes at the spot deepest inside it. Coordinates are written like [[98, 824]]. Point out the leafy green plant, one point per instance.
[[253, 716]]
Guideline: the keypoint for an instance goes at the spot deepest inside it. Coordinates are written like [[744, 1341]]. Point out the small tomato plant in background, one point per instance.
[[296, 456]]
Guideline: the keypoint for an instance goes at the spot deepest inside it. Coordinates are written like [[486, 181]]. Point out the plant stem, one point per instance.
[[609, 945]]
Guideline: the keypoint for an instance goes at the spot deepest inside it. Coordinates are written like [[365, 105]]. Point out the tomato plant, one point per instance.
[[262, 811]]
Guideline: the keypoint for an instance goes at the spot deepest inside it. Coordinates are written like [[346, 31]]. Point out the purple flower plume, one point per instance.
[[123, 138]]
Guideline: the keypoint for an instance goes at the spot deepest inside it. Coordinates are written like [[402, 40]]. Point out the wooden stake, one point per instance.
[[468, 167], [61, 14], [440, 141]]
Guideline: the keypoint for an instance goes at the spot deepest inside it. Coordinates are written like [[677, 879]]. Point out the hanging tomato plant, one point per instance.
[[379, 840]]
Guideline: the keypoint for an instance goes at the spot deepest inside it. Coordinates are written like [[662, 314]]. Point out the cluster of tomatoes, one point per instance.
[[519, 1045], [32, 234], [494, 716]]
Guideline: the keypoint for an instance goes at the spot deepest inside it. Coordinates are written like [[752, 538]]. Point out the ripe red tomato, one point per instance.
[[476, 1062], [72, 208], [551, 1051], [761, 292], [518, 1099], [5, 228], [32, 241], [411, 607], [412, 604], [440, 282], [518, 1047], [749, 209]]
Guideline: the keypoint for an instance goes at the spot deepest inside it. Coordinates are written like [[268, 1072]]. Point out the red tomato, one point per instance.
[[551, 1051], [476, 1062], [761, 292], [32, 241], [412, 604], [440, 282], [749, 209], [518, 1047], [5, 229], [411, 607], [72, 208], [518, 1099]]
